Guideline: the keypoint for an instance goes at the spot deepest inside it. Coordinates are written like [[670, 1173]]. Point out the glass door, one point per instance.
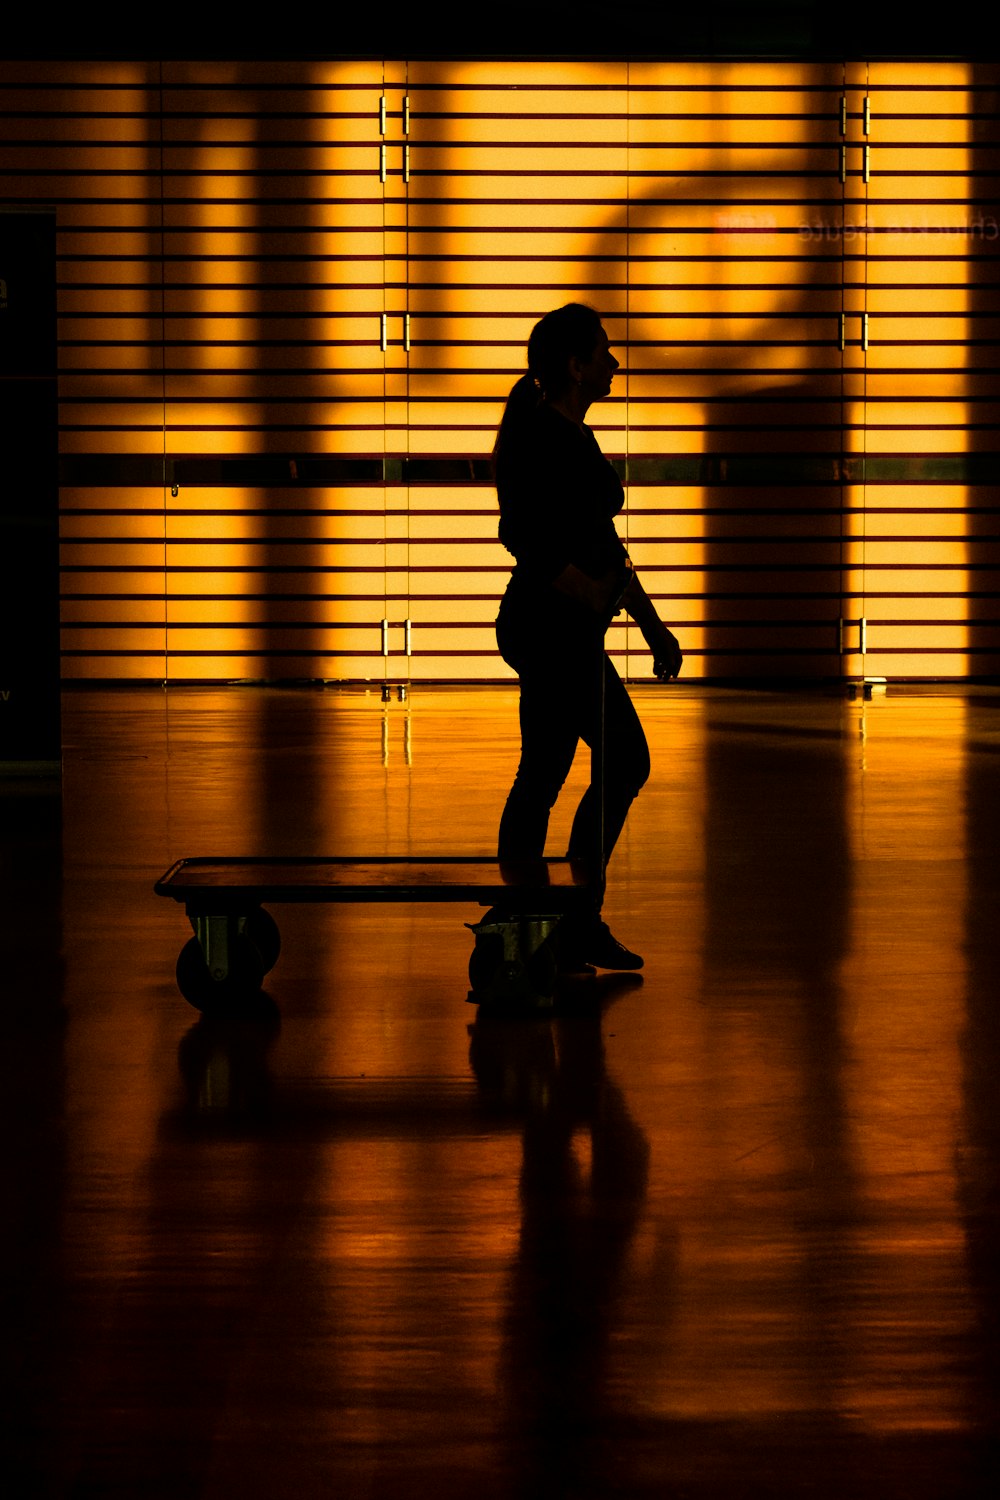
[[396, 336], [915, 189], [735, 387], [854, 335], [517, 204]]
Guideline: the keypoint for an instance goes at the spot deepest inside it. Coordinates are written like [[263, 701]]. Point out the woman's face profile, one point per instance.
[[596, 372]]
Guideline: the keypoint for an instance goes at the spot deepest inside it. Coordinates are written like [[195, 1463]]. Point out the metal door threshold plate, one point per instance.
[[236, 940]]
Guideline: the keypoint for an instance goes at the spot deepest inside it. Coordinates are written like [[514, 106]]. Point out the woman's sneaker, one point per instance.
[[602, 949]]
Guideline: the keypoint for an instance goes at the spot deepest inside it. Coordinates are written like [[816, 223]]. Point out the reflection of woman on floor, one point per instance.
[[560, 1372], [558, 497]]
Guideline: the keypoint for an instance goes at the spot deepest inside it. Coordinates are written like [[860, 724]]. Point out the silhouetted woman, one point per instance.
[[558, 497]]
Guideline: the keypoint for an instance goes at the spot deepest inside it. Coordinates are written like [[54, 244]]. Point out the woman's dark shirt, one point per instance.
[[558, 497]]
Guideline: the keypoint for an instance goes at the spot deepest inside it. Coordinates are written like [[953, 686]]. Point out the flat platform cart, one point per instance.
[[236, 940]]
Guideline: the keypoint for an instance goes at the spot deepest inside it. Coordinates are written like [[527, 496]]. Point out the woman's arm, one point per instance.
[[606, 595], [662, 642]]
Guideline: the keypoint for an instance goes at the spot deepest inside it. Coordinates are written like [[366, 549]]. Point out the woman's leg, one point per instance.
[[557, 710], [626, 765], [550, 731], [587, 939]]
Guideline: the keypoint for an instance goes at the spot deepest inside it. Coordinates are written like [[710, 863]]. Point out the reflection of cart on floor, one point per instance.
[[236, 940]]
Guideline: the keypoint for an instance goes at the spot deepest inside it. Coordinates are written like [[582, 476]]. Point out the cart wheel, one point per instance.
[[526, 980], [242, 983], [262, 930], [485, 962]]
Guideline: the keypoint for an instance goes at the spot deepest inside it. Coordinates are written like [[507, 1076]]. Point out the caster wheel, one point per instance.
[[504, 969], [216, 996], [485, 962], [262, 930]]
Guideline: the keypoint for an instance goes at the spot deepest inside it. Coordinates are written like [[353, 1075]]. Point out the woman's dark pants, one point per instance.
[[560, 681]]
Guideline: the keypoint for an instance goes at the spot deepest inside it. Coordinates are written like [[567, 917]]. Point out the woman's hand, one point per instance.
[[605, 594], [662, 642], [601, 595], [666, 650]]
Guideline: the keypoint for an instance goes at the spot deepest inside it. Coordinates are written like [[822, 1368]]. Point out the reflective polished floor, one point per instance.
[[730, 1228]]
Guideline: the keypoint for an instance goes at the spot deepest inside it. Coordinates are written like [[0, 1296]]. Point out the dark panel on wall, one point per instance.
[[29, 561]]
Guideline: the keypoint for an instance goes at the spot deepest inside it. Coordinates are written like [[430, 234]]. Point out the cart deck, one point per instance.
[[213, 884], [236, 941]]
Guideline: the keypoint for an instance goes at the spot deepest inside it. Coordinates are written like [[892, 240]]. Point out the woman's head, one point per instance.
[[567, 333], [567, 353]]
